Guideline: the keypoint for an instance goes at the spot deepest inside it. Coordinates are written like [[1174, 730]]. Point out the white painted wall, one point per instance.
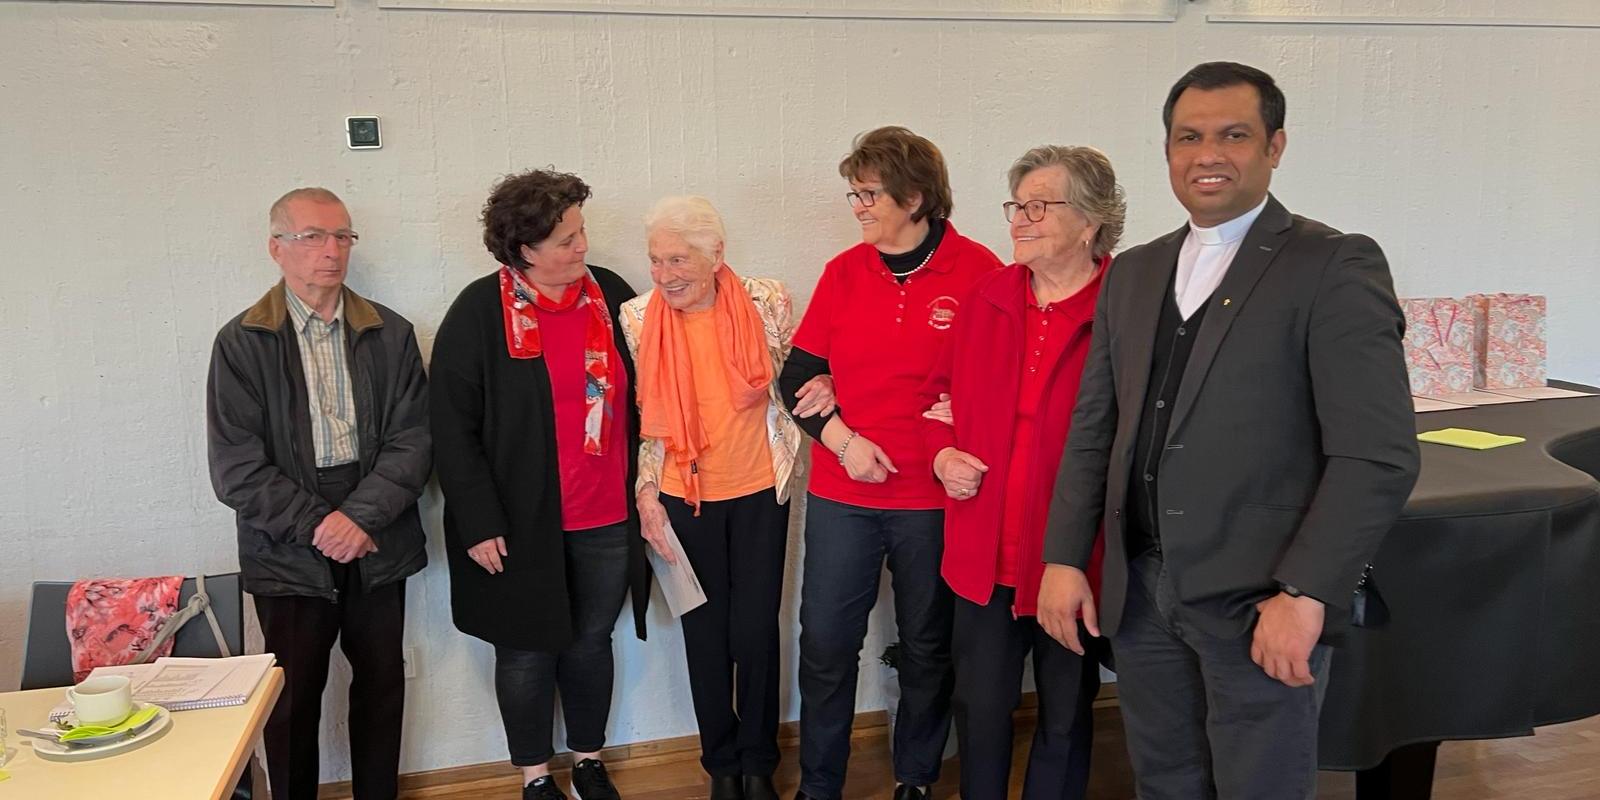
[[141, 144]]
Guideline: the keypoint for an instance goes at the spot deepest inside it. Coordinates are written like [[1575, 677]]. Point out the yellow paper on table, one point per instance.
[[1470, 439]]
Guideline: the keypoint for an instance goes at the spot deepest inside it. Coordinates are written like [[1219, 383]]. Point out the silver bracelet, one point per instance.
[[846, 446]]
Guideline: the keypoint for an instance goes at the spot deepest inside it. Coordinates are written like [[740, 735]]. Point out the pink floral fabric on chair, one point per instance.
[[113, 621]]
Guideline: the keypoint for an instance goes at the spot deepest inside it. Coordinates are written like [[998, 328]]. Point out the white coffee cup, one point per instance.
[[106, 700]]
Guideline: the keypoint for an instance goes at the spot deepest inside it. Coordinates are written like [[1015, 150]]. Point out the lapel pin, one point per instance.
[[1227, 300]]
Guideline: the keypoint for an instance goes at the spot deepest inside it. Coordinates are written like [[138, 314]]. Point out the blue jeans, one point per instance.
[[845, 550]]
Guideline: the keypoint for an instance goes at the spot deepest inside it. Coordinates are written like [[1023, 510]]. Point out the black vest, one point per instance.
[[1169, 358]]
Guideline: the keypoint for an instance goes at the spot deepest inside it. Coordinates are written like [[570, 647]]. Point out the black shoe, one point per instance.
[[759, 787], [726, 787], [590, 781], [908, 792], [543, 789]]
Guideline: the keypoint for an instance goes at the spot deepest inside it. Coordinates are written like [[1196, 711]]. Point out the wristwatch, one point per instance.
[[1290, 590]]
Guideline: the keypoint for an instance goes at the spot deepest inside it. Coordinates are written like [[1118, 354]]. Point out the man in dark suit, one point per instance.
[[1244, 431]]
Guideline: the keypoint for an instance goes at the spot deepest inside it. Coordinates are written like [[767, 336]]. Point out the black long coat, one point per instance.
[[495, 449]]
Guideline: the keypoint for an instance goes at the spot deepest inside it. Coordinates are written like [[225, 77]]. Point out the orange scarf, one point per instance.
[[668, 407]]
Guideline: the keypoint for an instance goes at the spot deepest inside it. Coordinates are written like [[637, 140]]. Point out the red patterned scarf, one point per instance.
[[521, 304]]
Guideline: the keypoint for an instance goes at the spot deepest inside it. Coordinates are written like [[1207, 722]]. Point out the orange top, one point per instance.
[[737, 462]]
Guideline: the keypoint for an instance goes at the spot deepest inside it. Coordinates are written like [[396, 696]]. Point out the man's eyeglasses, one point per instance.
[[1034, 209], [318, 238], [862, 199]]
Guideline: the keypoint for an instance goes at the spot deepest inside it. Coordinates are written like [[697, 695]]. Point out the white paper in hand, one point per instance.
[[679, 585]]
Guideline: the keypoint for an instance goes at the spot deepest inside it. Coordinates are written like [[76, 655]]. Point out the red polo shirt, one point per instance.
[[881, 337]]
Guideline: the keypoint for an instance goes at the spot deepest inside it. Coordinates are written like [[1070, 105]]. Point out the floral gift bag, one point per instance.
[[1511, 340], [1441, 345]]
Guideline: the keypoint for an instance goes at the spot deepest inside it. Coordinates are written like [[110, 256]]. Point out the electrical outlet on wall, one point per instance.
[[409, 658]]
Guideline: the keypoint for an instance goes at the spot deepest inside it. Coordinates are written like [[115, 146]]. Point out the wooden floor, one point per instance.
[[1561, 763]]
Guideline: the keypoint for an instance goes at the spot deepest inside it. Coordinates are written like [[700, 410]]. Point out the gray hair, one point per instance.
[[1091, 187], [692, 217], [278, 217]]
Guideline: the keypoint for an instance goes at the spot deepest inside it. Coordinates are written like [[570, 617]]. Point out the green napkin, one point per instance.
[[138, 718], [1470, 439]]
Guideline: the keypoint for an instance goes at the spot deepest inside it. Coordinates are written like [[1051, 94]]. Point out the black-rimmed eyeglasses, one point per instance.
[[862, 199]]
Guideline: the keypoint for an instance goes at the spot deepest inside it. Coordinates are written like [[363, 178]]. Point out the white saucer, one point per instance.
[[56, 751]]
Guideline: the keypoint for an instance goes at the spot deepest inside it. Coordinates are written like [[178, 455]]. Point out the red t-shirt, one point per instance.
[[881, 338], [593, 488], [1045, 336]]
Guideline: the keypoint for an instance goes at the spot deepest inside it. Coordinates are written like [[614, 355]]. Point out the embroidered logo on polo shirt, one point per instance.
[[942, 312]]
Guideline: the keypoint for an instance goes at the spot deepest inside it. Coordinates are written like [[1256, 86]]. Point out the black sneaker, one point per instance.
[[590, 781], [544, 788], [908, 792]]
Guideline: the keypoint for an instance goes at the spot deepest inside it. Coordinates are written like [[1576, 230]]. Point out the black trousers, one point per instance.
[[989, 646], [301, 631], [737, 549], [526, 681], [1202, 720]]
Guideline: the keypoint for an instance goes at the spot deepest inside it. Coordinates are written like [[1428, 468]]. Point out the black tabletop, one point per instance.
[[1492, 577]]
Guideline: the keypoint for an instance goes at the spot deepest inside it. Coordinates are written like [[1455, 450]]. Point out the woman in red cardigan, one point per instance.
[[1010, 376]]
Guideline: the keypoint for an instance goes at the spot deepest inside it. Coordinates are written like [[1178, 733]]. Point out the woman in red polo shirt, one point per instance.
[[877, 321], [1011, 377]]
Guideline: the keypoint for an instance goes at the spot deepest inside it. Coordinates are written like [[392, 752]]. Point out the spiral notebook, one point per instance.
[[185, 684]]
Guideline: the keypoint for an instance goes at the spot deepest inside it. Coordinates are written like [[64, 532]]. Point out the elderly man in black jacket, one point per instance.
[[317, 425]]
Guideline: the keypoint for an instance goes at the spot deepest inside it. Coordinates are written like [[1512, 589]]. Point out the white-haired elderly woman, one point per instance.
[[717, 452], [1011, 374]]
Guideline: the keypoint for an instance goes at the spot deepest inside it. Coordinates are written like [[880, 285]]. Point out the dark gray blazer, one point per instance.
[[1292, 447]]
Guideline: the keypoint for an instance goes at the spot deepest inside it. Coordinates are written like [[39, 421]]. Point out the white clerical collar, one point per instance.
[[1228, 232]]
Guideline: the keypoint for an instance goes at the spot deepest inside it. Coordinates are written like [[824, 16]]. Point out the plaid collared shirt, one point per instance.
[[324, 361]]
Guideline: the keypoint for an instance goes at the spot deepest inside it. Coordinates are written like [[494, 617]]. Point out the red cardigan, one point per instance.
[[981, 369]]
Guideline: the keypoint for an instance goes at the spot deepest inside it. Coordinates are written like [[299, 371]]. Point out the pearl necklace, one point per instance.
[[925, 259]]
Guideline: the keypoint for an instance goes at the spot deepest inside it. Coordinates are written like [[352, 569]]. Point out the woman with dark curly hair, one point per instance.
[[536, 444]]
